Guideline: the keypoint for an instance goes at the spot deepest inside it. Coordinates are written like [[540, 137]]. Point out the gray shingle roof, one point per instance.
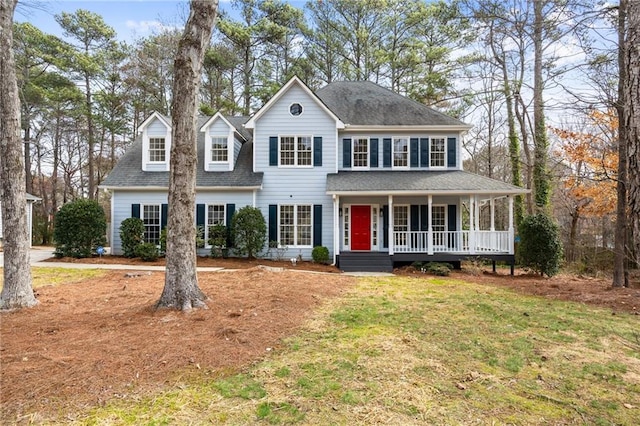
[[128, 171], [455, 181], [365, 103]]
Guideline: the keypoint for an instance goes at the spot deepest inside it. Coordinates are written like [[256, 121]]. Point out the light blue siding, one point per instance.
[[292, 185], [157, 128]]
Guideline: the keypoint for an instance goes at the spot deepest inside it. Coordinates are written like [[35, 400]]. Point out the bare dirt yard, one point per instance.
[[92, 341]]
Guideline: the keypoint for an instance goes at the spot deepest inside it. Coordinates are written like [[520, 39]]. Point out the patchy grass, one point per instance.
[[422, 351], [58, 276]]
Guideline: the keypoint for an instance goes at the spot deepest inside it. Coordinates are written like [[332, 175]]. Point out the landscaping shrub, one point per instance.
[[218, 239], [80, 227], [540, 247], [437, 268], [147, 252], [131, 235], [249, 231], [320, 254]]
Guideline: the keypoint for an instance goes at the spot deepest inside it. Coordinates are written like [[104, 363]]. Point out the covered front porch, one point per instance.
[[424, 224]]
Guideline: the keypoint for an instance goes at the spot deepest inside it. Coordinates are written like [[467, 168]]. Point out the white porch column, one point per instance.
[[390, 230], [492, 204], [336, 227], [430, 229], [511, 233], [472, 225]]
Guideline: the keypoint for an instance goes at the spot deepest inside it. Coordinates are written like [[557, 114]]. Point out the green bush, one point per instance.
[[218, 240], [320, 254], [147, 252], [131, 235], [80, 227], [249, 231], [437, 268], [540, 248]]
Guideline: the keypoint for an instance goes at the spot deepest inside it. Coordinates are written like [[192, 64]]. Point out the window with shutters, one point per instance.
[[437, 152], [157, 150], [400, 152], [295, 225], [400, 224], [360, 152], [296, 151], [216, 214], [219, 149], [151, 217], [438, 224]]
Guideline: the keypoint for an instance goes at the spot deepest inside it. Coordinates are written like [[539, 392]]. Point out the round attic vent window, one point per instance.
[[295, 109]]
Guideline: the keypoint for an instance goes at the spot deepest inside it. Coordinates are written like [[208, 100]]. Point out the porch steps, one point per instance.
[[365, 262]]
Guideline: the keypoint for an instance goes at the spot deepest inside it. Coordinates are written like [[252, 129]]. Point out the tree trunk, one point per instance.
[[16, 292], [181, 289], [632, 119], [619, 264]]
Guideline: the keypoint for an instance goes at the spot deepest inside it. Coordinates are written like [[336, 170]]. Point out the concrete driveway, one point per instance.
[[37, 254]]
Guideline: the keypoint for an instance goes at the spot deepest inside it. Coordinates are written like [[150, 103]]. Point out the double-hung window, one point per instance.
[[295, 225], [401, 152], [157, 150], [360, 152], [296, 150], [151, 219], [438, 152], [215, 214], [400, 224], [219, 152]]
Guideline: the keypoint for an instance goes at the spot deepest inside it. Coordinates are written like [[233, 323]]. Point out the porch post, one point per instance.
[[390, 230], [511, 233], [336, 228], [493, 213], [430, 229], [472, 225]]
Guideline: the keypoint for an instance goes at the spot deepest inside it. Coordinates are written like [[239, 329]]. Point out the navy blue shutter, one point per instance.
[[415, 217], [385, 226], [273, 150], [200, 215], [231, 209], [452, 217], [373, 151], [451, 152], [414, 152], [273, 222], [346, 153], [163, 216], [135, 210], [424, 217], [386, 152], [317, 225], [424, 152], [317, 151]]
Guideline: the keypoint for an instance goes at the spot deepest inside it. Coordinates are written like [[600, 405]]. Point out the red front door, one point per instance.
[[360, 228]]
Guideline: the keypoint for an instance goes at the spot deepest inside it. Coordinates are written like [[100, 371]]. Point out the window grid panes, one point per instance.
[[219, 150], [296, 150], [360, 152], [346, 217], [400, 152], [295, 225], [438, 224], [374, 226], [156, 149], [151, 219], [215, 214], [400, 224], [437, 152]]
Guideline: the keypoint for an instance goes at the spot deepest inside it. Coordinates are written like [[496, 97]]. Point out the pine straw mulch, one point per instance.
[[92, 341]]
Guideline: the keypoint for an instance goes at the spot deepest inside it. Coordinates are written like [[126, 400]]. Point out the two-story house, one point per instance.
[[373, 176]]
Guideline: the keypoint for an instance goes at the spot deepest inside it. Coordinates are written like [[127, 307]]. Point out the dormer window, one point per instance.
[[219, 149], [295, 109], [157, 151]]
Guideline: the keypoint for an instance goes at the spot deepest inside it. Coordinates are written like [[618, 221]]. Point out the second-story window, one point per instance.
[[296, 150], [437, 150], [157, 150], [360, 152], [219, 150], [400, 152]]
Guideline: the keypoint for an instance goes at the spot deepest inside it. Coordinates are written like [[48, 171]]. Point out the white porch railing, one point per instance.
[[471, 242]]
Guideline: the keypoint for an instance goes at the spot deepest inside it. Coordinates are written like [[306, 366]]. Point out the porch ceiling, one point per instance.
[[412, 182]]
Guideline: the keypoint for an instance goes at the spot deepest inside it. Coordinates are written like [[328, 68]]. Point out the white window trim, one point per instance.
[[393, 151], [444, 166], [295, 224], [146, 161], [206, 221], [208, 145], [301, 112], [159, 205], [294, 166], [353, 153], [211, 138]]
